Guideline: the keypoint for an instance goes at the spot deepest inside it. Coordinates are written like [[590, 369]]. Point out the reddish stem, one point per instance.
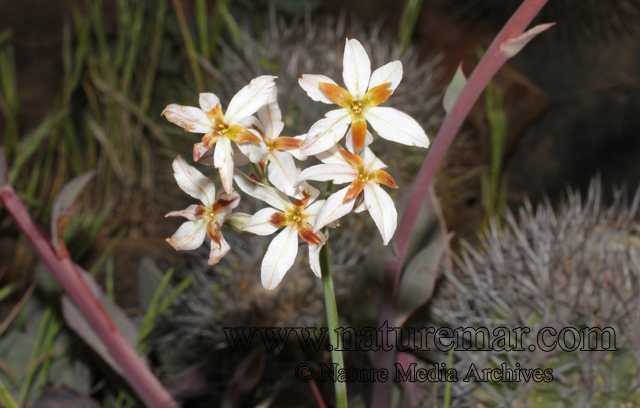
[[145, 384], [493, 59]]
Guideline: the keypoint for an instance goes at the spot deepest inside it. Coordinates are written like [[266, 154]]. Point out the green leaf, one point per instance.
[[454, 89]]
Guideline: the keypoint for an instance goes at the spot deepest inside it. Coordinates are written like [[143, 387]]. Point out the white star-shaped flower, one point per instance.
[[221, 129], [297, 218], [359, 105], [277, 152], [364, 173], [203, 220]]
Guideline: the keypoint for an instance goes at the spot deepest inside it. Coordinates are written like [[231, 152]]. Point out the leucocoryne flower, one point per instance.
[[297, 218], [221, 129], [277, 152], [359, 104], [364, 173], [204, 220]]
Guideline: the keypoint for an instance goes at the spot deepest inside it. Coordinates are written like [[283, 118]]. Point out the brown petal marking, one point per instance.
[[382, 177], [354, 189], [199, 149], [306, 232], [358, 130], [302, 203], [213, 232], [338, 95], [215, 115], [241, 135], [286, 143], [354, 160], [279, 220], [220, 204], [377, 95]]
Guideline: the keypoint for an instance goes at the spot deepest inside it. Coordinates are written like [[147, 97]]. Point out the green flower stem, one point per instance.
[[6, 398], [260, 174], [332, 312], [332, 321]]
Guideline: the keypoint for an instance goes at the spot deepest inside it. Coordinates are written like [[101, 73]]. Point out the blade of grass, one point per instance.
[[217, 26], [6, 291], [32, 369], [188, 42], [134, 46], [201, 21], [18, 307], [31, 143], [182, 286], [149, 79], [230, 22], [408, 23], [109, 279], [55, 325], [6, 398], [147, 322]]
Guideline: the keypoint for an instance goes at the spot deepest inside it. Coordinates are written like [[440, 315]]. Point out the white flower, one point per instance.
[[364, 173], [235, 125], [277, 152], [298, 219], [359, 104], [203, 220]]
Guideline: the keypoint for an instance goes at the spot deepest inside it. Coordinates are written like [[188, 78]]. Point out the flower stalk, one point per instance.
[[137, 374], [332, 320], [493, 59]]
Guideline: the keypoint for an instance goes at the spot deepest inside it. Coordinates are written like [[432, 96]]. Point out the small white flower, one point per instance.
[[364, 173], [220, 129], [359, 104], [277, 152], [297, 218], [203, 220]]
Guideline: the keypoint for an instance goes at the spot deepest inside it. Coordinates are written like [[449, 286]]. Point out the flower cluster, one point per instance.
[[295, 210]]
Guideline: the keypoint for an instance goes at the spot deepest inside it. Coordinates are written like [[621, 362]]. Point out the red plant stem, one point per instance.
[[143, 382], [493, 59]]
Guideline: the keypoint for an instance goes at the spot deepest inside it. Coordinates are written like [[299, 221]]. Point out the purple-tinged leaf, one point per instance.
[[453, 90], [62, 207], [513, 46], [419, 277], [76, 321], [4, 168], [59, 397]]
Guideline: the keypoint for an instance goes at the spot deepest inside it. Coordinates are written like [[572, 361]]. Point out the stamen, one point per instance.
[[356, 107], [222, 128]]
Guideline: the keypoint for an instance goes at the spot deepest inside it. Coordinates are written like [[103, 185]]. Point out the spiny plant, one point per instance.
[[576, 266]]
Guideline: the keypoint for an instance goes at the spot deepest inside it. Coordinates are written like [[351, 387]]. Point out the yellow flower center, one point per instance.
[[222, 128], [364, 177], [356, 107]]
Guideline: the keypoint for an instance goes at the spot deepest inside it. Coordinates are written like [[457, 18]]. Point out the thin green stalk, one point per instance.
[[188, 42], [201, 20], [6, 398], [332, 321], [260, 174], [408, 23], [447, 387]]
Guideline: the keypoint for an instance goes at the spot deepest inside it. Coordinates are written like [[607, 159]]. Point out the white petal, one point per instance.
[[371, 162], [249, 99], [312, 211], [279, 258], [314, 255], [296, 152], [208, 101], [189, 118], [259, 224], [332, 156], [339, 173], [188, 213], [391, 72], [239, 158], [326, 132], [189, 236], [234, 199], [310, 190], [264, 193], [218, 251], [348, 140], [360, 207], [255, 152], [192, 182], [396, 126], [310, 84], [333, 209], [382, 210], [223, 161], [356, 68], [271, 117], [282, 172]]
